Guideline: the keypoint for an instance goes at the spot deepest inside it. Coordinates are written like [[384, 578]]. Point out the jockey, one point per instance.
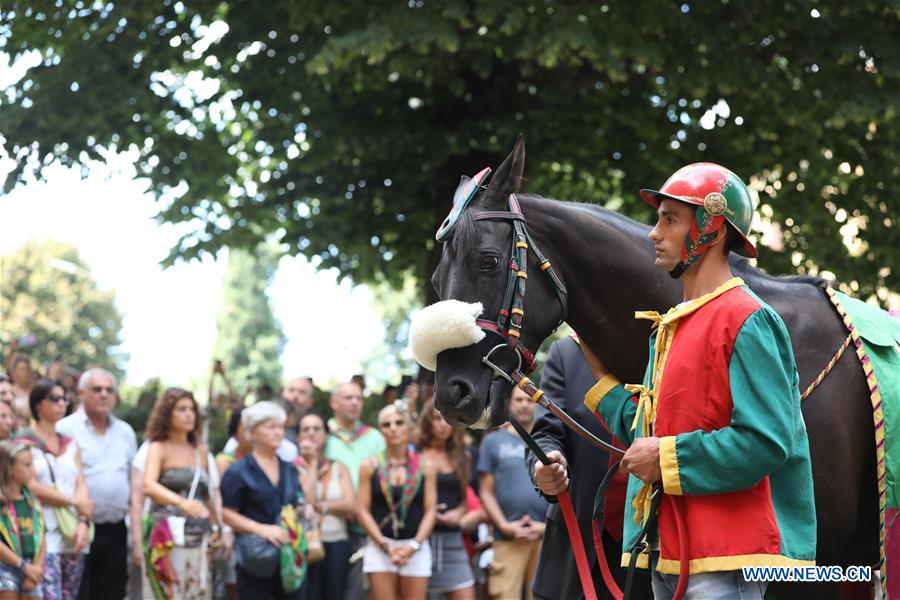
[[717, 419]]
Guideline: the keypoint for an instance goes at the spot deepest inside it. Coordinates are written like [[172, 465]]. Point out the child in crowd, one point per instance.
[[22, 548]]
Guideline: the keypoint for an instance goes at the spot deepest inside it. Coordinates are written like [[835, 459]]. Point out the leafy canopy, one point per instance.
[[342, 127]]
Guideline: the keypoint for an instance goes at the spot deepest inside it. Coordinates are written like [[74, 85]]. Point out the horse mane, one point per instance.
[[622, 222]]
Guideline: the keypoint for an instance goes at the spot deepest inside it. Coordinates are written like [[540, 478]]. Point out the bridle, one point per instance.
[[511, 317]]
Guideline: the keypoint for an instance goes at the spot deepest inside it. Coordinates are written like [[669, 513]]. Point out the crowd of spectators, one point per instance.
[[258, 494]]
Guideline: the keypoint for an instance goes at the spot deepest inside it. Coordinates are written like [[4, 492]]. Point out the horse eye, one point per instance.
[[488, 263]]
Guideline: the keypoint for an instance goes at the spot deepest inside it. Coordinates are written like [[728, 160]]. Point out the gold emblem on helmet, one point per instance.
[[715, 204]]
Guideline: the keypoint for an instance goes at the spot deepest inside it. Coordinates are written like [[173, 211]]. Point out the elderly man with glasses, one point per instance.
[[108, 445]]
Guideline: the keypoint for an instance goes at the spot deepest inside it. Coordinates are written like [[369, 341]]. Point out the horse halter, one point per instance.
[[508, 324]]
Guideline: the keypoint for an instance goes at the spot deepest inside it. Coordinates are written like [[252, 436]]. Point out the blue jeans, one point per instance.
[[717, 585]]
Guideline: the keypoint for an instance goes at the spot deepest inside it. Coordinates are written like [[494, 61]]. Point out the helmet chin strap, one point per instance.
[[702, 233]]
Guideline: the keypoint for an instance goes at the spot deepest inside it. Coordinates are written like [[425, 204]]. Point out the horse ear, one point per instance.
[[508, 177]]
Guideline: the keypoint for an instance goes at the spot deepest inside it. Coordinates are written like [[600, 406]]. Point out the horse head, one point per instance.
[[479, 265]]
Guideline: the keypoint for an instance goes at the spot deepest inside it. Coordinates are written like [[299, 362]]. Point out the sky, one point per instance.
[[169, 314]]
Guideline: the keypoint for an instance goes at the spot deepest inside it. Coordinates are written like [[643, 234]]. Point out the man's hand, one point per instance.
[[554, 478], [642, 460], [598, 369]]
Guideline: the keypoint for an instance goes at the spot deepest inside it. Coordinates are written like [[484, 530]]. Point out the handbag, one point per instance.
[[66, 516], [315, 549], [256, 555], [177, 523]]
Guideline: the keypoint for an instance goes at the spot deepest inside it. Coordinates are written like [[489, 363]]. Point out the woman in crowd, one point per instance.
[[182, 522], [327, 487], [237, 446], [259, 495], [444, 447], [59, 485], [22, 545], [397, 498], [7, 421]]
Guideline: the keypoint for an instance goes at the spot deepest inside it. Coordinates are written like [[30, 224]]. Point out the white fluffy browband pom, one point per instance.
[[442, 326]]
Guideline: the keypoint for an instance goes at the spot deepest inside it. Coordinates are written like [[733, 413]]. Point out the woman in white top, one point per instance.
[[326, 485], [59, 485]]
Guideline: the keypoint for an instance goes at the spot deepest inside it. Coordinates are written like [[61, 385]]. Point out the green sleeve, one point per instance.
[[764, 424], [615, 406]]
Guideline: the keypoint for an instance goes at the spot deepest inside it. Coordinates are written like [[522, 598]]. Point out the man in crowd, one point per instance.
[[107, 446], [299, 393], [516, 510], [351, 441], [566, 378]]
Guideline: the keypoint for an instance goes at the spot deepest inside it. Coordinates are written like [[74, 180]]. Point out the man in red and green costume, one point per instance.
[[717, 419]]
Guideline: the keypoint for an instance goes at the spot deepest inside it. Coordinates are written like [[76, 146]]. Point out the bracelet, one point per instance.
[[324, 508], [22, 564], [84, 519]]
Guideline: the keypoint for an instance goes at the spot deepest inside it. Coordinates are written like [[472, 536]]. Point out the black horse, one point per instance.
[[605, 261]]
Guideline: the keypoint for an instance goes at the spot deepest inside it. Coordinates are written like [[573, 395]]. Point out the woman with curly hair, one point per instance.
[[444, 447], [182, 522]]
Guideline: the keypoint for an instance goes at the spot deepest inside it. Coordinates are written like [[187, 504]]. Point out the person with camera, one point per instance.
[[327, 488], [260, 494], [182, 524]]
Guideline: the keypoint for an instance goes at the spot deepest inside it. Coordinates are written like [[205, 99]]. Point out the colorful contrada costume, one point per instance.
[[721, 392]]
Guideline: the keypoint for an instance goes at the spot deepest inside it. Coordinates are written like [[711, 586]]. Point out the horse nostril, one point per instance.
[[460, 391]]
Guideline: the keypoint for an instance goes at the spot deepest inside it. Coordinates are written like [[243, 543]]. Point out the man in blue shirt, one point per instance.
[[509, 498]]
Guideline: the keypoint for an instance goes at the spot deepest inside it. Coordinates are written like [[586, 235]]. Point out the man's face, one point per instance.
[[300, 392], [521, 406], [347, 402], [6, 392], [99, 398], [672, 226]]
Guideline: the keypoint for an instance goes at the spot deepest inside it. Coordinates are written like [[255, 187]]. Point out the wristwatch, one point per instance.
[[414, 545]]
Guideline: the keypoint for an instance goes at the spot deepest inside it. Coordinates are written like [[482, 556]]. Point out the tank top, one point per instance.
[[333, 529], [381, 514], [448, 493]]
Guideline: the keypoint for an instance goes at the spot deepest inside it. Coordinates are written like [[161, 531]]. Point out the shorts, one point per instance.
[[452, 569], [11, 579], [376, 561]]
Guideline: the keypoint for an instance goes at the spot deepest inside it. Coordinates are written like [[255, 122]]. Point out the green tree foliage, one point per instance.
[[249, 340], [342, 127], [46, 289]]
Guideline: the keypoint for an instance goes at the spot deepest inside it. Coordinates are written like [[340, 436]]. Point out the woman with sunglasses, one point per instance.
[[327, 486], [60, 486], [397, 499]]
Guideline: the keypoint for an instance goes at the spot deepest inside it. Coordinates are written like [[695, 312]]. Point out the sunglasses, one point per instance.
[[56, 398], [398, 423], [99, 388]]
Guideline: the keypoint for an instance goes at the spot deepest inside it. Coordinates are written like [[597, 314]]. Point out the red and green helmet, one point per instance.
[[719, 195]]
